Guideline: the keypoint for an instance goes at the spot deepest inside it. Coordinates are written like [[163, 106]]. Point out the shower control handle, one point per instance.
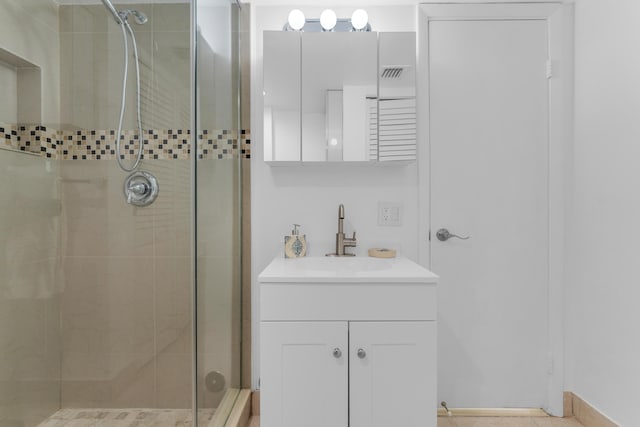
[[140, 189], [337, 353]]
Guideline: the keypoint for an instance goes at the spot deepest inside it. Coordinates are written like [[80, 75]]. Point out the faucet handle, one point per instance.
[[350, 241]]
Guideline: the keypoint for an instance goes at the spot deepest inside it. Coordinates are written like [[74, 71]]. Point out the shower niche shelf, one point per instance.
[[21, 88]]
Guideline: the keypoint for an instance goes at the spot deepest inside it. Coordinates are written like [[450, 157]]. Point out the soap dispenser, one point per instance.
[[295, 245]]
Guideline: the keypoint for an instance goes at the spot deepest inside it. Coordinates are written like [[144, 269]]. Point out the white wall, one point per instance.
[[602, 347], [310, 195], [602, 315]]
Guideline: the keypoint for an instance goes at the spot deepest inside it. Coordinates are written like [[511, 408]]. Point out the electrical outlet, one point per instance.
[[389, 214]]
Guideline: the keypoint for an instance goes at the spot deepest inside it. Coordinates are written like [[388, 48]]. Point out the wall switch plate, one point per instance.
[[389, 214]]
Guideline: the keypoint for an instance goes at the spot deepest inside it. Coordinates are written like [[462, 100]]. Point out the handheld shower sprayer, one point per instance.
[[122, 16], [140, 17]]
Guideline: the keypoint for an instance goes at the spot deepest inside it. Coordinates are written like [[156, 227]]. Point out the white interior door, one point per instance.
[[488, 130]]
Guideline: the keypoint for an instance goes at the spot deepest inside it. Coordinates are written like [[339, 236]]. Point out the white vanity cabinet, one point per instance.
[[304, 374], [348, 348]]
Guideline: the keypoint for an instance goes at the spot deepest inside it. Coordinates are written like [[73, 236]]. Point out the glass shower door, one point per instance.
[[218, 199]]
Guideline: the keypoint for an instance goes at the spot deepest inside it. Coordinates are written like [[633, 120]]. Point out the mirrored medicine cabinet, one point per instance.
[[339, 97]]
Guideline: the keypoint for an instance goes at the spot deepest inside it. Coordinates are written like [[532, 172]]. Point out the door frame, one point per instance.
[[559, 17]]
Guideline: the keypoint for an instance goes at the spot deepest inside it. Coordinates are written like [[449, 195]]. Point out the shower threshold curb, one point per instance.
[[236, 403]]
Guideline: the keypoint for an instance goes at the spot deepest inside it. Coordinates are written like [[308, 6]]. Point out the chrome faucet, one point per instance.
[[342, 241]]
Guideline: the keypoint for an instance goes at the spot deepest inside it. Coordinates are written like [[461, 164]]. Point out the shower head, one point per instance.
[[121, 16], [140, 17]]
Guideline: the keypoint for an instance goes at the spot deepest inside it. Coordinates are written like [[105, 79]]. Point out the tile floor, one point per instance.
[[124, 418], [507, 422], [488, 422]]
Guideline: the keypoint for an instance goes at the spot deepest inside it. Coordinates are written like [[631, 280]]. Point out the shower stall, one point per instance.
[[113, 312]]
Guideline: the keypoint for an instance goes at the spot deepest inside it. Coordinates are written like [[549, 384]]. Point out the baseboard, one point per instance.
[[567, 404], [586, 414], [493, 412], [255, 403]]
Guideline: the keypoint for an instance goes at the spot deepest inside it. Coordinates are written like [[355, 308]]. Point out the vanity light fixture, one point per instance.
[[328, 19], [360, 20], [296, 19], [328, 22]]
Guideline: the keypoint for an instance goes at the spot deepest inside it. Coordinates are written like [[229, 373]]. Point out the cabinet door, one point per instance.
[[304, 374], [392, 374]]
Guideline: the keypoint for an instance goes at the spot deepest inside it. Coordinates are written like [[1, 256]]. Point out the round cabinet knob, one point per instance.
[[361, 353], [337, 353]]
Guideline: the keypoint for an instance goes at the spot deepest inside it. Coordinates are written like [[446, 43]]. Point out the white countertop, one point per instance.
[[345, 269]]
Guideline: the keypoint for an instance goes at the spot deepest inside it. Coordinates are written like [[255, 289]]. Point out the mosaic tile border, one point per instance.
[[165, 144]]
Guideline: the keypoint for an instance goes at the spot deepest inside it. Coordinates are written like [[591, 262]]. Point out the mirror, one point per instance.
[[321, 100]]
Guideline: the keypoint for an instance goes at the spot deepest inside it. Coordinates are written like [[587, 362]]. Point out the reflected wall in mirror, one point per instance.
[[396, 114], [338, 75], [321, 100], [281, 90]]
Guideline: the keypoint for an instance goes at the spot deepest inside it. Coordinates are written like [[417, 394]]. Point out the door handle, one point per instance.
[[443, 235]]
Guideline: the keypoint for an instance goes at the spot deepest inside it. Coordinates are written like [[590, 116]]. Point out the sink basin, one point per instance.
[[345, 270], [340, 264]]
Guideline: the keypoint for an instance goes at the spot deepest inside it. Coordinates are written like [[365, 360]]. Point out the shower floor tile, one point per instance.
[[124, 418]]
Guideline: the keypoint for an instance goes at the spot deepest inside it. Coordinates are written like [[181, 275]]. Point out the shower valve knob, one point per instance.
[[141, 188]]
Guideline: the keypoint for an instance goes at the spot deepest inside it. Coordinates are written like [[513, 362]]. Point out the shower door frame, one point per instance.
[[236, 399], [193, 42]]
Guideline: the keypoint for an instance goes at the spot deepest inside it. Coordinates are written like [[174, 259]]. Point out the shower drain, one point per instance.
[[214, 381]]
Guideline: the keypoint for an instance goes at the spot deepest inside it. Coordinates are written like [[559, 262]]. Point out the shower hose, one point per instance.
[[126, 28]]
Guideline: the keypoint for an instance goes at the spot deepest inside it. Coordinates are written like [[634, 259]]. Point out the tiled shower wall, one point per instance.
[[109, 314], [117, 280], [31, 282], [31, 279], [126, 311]]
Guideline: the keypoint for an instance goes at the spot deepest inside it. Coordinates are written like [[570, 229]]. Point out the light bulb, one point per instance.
[[359, 19], [328, 19], [296, 19]]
